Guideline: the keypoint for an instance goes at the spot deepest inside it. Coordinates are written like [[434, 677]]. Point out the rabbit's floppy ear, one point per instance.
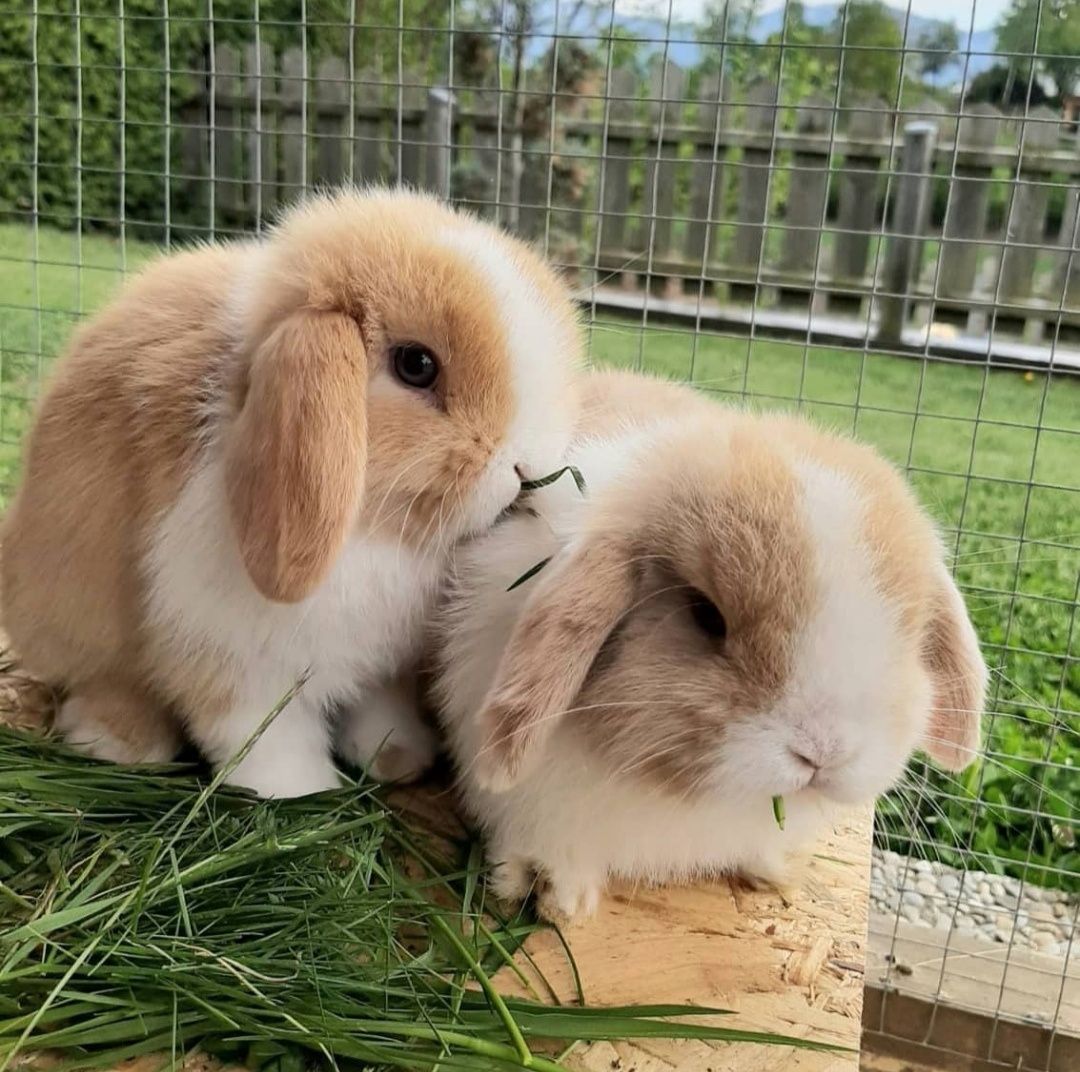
[[550, 651], [958, 677], [294, 460]]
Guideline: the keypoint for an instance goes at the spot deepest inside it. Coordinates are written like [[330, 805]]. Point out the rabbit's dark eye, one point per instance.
[[415, 365], [707, 616]]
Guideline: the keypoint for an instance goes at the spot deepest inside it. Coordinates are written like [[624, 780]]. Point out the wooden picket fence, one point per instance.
[[689, 196]]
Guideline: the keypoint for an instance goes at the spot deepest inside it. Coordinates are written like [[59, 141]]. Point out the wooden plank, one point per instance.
[[370, 158], [618, 154], [439, 135], [191, 195], [790, 964], [968, 970], [910, 207], [260, 89], [808, 189], [969, 195], [293, 141], [228, 181], [483, 174], [1068, 273], [330, 93], [1027, 213], [760, 116], [707, 174], [859, 191], [412, 102], [533, 214], [667, 85], [981, 1000], [536, 157]]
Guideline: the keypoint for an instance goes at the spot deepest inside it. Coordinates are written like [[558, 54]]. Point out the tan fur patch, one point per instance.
[[294, 457], [549, 654], [732, 506]]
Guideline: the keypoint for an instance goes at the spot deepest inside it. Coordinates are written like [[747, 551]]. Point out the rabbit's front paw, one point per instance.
[[565, 897], [383, 733]]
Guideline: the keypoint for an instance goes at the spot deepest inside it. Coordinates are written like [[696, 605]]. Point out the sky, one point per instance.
[[987, 12]]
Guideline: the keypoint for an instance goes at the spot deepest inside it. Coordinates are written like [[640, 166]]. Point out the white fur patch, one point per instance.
[[847, 657], [358, 628], [246, 281], [539, 352]]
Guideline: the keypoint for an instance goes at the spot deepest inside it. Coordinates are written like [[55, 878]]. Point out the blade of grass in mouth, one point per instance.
[[544, 481]]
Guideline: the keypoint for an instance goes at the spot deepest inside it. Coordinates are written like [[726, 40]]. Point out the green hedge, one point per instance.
[[141, 92]]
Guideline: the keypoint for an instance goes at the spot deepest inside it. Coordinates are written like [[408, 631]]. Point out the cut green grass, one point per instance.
[[994, 455], [146, 912]]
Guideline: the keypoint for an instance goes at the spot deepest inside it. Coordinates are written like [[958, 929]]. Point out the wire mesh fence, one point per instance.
[[870, 214]]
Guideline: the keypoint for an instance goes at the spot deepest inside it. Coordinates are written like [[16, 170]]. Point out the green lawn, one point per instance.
[[995, 456]]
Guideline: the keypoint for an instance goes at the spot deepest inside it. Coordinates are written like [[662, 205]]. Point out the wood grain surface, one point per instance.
[[790, 963]]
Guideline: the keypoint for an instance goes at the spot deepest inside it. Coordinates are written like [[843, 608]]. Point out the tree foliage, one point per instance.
[[726, 36], [872, 45], [999, 86], [138, 80], [810, 61], [939, 43], [1043, 35]]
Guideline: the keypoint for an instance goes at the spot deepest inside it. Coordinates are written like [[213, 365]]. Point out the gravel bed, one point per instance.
[[998, 908]]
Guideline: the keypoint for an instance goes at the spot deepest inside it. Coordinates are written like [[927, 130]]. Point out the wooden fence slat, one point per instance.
[[1027, 213], [912, 186], [530, 161], [969, 195], [370, 159], [536, 161], [195, 148], [808, 188], [667, 85], [293, 142], [860, 196], [617, 156], [660, 181], [259, 86], [933, 112], [330, 95], [482, 174], [707, 173], [1067, 276], [760, 118], [412, 100], [228, 173]]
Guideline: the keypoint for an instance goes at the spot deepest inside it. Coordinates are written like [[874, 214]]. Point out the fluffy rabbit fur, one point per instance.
[[740, 606], [228, 483]]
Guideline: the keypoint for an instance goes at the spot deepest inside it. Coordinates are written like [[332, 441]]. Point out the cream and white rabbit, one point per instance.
[[253, 464], [738, 607]]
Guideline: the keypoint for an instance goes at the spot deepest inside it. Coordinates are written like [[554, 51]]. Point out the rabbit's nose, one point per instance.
[[804, 760]]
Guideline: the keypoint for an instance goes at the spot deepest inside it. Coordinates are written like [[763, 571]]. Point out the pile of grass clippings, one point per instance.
[[150, 912]]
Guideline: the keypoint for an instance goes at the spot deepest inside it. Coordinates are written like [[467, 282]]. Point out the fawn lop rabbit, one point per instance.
[[738, 607], [254, 463]]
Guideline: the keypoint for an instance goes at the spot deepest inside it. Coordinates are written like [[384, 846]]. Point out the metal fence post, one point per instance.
[[909, 219]]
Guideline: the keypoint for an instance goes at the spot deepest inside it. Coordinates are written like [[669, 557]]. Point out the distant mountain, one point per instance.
[[678, 41]]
